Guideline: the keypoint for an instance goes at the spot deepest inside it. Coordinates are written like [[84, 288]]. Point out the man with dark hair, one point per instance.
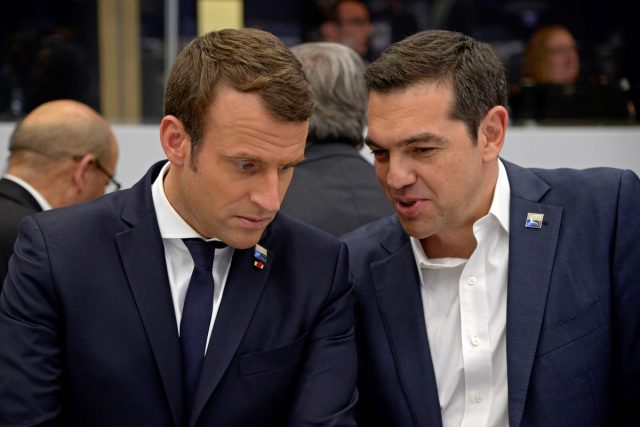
[[348, 22], [335, 187], [188, 300], [62, 153], [497, 295]]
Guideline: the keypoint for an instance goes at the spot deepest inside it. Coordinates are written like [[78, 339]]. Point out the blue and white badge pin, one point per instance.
[[259, 257], [534, 220]]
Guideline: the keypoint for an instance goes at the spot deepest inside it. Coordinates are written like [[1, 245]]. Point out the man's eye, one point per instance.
[[379, 154], [423, 150], [245, 165], [286, 168]]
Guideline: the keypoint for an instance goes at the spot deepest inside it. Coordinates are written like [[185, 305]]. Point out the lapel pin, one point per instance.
[[534, 220], [259, 257]]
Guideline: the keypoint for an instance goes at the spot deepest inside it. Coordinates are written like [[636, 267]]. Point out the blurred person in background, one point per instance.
[[552, 90], [62, 153], [335, 188], [551, 57], [348, 22], [42, 68]]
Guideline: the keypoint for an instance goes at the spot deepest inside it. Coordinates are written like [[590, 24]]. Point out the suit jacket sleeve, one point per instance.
[[326, 392], [30, 345], [626, 301]]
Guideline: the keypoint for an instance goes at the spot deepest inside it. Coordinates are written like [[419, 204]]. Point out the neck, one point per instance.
[[453, 244], [47, 182]]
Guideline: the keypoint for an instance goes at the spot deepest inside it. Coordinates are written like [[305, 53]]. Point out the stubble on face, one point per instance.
[[242, 169], [427, 162]]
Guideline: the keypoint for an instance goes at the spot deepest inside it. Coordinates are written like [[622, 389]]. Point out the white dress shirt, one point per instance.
[[465, 309], [179, 262], [44, 204]]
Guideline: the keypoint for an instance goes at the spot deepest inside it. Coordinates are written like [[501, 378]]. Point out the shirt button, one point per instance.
[[471, 280], [475, 341], [478, 398]]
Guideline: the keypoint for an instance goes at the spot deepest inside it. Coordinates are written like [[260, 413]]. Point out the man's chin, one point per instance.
[[244, 239], [413, 228]]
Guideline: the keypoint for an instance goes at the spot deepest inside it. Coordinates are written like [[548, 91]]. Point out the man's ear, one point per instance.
[[80, 175], [175, 140], [492, 132]]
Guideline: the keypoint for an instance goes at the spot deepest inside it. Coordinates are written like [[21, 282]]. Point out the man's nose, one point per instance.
[[400, 174], [267, 194]]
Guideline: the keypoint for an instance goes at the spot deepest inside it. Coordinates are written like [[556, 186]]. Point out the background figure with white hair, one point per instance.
[[335, 188], [62, 153]]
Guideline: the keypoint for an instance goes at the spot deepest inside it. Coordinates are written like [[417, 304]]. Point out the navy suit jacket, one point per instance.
[[573, 308], [88, 333], [15, 203]]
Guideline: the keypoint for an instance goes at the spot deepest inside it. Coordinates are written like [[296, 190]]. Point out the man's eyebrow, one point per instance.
[[242, 156], [252, 158], [369, 142], [422, 137], [297, 161]]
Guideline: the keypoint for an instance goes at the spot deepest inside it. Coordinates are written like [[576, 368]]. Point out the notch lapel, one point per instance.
[[531, 256], [149, 285], [241, 295], [397, 285]]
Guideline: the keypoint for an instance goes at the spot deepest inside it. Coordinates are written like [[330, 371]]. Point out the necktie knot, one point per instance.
[[202, 252]]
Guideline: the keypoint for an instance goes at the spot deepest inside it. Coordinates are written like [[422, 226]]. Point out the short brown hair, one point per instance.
[[471, 67], [248, 60]]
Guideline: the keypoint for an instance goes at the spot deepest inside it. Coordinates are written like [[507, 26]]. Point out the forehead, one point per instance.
[[349, 9], [419, 100], [420, 108], [560, 37], [240, 121]]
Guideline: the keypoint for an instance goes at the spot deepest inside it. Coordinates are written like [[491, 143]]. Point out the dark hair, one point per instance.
[[444, 57], [248, 60]]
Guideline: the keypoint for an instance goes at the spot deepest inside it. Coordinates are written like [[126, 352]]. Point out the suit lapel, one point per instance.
[[398, 291], [149, 285], [241, 295], [531, 255]]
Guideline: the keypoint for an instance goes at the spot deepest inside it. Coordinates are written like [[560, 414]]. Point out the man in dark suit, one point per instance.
[[132, 311], [335, 188], [62, 153], [496, 295]]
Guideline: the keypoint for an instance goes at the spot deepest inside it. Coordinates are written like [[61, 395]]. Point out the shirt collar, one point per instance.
[[44, 204], [423, 261], [501, 198], [171, 224]]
